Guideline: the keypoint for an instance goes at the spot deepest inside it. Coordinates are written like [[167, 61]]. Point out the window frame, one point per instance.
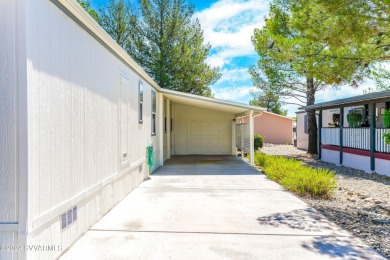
[[140, 102], [153, 105]]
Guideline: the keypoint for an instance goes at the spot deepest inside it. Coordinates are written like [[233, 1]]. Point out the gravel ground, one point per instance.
[[361, 203]]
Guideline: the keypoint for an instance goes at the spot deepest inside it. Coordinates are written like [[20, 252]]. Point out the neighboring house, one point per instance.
[[77, 115], [275, 129], [360, 145], [302, 136]]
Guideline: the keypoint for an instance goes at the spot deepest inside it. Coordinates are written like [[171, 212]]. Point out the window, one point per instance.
[[305, 124], [140, 101], [165, 115], [154, 109]]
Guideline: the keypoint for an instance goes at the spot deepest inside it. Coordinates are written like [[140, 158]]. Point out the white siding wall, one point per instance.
[[382, 166], [357, 161], [8, 125], [330, 156], [74, 85], [302, 137]]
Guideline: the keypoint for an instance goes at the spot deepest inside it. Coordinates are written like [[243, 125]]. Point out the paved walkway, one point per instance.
[[214, 207]]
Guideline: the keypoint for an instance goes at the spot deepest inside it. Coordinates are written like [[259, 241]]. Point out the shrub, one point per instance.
[[386, 118], [259, 141], [354, 119], [386, 137], [260, 159], [300, 179]]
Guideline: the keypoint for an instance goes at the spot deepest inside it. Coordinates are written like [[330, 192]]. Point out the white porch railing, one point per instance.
[[330, 136], [358, 138], [380, 144]]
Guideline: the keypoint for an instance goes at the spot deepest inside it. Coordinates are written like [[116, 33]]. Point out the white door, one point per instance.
[[209, 137]]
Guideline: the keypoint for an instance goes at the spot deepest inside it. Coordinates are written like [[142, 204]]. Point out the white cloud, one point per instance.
[[234, 75], [232, 93], [228, 25]]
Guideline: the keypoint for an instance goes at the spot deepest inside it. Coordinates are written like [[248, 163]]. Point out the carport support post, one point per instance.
[[319, 133], [234, 145], [160, 128], [168, 128], [251, 139], [372, 135], [242, 138]]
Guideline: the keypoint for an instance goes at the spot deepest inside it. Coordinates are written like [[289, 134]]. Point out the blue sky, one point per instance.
[[228, 26]]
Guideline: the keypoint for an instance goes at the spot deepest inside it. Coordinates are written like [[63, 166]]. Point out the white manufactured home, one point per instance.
[[76, 117]]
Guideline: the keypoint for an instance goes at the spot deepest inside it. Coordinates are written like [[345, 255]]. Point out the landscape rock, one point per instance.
[[353, 205]]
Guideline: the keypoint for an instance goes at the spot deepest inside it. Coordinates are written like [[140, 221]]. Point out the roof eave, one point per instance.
[[213, 100], [356, 100]]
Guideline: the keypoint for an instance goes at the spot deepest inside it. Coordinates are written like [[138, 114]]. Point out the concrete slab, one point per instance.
[[215, 207]]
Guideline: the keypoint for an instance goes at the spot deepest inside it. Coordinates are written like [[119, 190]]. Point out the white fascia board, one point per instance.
[[211, 100]]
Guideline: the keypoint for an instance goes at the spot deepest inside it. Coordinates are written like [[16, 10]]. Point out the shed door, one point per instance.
[[209, 137]]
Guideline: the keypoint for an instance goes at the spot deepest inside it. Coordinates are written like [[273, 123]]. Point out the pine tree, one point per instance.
[[169, 45], [116, 18], [87, 7], [164, 39], [288, 61], [355, 33]]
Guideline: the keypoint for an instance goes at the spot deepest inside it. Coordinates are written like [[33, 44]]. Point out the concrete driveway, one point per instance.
[[214, 207]]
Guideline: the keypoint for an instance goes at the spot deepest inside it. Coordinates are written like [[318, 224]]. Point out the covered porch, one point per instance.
[[351, 132]]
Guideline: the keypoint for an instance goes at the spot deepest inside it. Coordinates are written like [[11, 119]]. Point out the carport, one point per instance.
[[196, 125]]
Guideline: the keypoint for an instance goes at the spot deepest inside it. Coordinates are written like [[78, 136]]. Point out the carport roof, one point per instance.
[[210, 103]]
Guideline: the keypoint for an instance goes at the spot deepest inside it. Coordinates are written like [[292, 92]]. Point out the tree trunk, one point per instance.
[[311, 117]]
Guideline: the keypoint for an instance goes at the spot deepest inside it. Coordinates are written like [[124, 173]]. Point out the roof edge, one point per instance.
[[349, 100], [213, 100]]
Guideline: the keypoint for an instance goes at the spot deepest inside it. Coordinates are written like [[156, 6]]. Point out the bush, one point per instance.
[[300, 179], [259, 141], [354, 119], [386, 137], [386, 119]]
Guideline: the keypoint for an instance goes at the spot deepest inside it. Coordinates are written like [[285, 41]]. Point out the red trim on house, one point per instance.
[[330, 147], [357, 151], [383, 156]]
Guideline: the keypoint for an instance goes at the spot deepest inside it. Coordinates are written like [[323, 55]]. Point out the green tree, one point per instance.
[[191, 72], [87, 7], [116, 18], [356, 32], [169, 45], [288, 62], [268, 100]]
